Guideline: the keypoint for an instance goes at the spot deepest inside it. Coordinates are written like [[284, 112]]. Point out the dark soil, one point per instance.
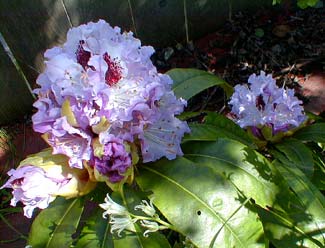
[[290, 45]]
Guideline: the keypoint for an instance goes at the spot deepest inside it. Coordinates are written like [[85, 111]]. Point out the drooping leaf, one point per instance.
[[285, 229], [315, 132], [202, 203], [319, 160], [189, 82], [54, 226], [307, 226], [299, 154], [96, 232]]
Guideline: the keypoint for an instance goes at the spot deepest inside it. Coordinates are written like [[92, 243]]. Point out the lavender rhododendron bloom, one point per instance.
[[101, 85], [42, 177], [263, 103]]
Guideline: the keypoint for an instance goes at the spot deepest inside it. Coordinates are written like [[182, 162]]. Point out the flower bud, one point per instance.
[[41, 177]]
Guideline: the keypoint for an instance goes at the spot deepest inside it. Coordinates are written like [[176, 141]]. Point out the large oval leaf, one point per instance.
[[249, 171], [95, 232], [201, 204], [315, 132], [299, 154], [307, 225], [217, 126], [54, 226], [189, 82]]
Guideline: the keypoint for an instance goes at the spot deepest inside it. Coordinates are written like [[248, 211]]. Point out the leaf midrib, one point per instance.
[[302, 183], [229, 162], [60, 221], [199, 200], [234, 134]]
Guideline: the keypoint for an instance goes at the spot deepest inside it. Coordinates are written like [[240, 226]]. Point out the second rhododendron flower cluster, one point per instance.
[[264, 104], [103, 104]]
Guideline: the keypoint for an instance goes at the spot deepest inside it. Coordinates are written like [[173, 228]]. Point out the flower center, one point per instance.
[[113, 73], [260, 104], [83, 56]]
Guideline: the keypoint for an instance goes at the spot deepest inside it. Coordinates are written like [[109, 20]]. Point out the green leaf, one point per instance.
[[299, 154], [308, 224], [319, 161], [188, 115], [259, 32], [246, 168], [201, 132], [306, 3], [189, 82], [54, 226], [217, 126], [205, 198], [284, 229], [96, 231], [315, 132], [228, 129]]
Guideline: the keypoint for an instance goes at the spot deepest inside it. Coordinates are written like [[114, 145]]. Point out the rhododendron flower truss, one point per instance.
[[99, 95], [263, 104]]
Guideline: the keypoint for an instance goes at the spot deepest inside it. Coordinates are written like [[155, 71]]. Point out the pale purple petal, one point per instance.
[[33, 187], [264, 103], [162, 139]]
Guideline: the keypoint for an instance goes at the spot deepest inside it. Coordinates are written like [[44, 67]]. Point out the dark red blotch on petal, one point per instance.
[[83, 56], [113, 73], [260, 104]]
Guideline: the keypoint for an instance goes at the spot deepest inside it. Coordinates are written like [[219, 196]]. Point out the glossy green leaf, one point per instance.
[[319, 161], [315, 132], [299, 154], [228, 129], [285, 229], [188, 115], [205, 197], [217, 126], [54, 226], [247, 169], [96, 232], [201, 132], [189, 82], [308, 225]]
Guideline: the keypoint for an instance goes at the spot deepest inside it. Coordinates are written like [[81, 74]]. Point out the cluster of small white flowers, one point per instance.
[[121, 219]]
